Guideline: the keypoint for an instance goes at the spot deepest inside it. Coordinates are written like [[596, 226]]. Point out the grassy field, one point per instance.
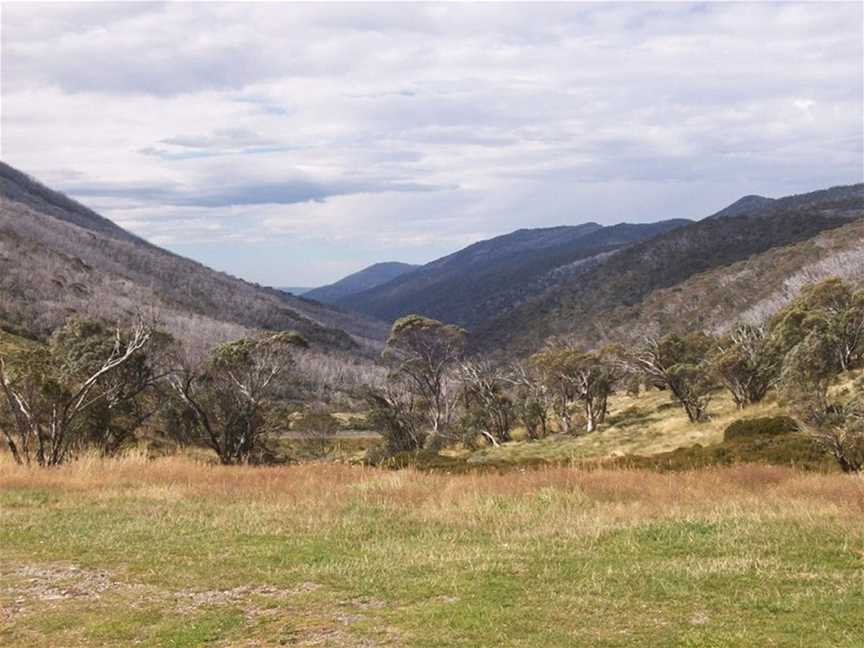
[[646, 424], [176, 553]]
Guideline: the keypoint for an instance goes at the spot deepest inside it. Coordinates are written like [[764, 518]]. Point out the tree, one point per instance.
[[488, 408], [396, 413], [679, 364], [231, 393], [317, 430], [425, 354], [572, 375], [832, 307], [747, 363], [532, 400], [836, 423], [53, 392]]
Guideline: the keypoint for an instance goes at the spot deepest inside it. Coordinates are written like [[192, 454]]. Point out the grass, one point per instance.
[[644, 424], [177, 553]]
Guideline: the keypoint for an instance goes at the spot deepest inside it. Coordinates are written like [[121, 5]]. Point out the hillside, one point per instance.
[[836, 200], [743, 205], [644, 287], [295, 290], [370, 277], [58, 258], [489, 277]]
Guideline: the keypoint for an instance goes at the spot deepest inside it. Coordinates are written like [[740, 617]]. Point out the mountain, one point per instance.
[[489, 277], [370, 277], [666, 283], [295, 290], [743, 205], [843, 200], [59, 258]]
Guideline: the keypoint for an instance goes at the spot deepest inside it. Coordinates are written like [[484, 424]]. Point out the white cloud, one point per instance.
[[413, 128]]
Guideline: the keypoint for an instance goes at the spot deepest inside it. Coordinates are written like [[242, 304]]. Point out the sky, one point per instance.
[[291, 144]]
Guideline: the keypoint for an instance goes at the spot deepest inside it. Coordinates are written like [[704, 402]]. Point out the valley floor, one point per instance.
[[176, 553]]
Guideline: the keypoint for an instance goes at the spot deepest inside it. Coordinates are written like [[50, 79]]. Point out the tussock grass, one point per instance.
[[646, 424], [175, 552]]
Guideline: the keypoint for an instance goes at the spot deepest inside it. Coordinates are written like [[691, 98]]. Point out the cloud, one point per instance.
[[409, 130], [289, 191]]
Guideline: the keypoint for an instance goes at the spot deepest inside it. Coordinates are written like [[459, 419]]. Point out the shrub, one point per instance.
[[752, 428], [317, 430], [782, 449]]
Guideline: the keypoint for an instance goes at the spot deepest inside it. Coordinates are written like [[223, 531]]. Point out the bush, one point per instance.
[[782, 449], [425, 460], [753, 428], [317, 432]]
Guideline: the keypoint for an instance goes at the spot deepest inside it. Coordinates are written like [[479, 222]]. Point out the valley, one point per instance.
[[438, 325]]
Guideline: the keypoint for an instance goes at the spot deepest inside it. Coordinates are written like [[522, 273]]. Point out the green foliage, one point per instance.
[[423, 354], [747, 362], [679, 363], [763, 427], [399, 416], [231, 395], [783, 449], [317, 430], [831, 310], [572, 375], [87, 387]]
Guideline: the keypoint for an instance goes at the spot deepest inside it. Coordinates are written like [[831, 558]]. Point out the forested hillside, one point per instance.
[[374, 275], [604, 302], [58, 258], [490, 277]]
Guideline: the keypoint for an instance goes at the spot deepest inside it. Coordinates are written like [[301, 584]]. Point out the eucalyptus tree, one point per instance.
[[747, 363], [425, 354], [231, 392], [59, 394], [679, 364]]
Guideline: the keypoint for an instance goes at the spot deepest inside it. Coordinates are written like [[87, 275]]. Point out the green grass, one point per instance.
[[223, 557]]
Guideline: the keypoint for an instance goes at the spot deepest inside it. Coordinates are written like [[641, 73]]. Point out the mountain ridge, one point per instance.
[[365, 279], [58, 258], [610, 294], [482, 279]]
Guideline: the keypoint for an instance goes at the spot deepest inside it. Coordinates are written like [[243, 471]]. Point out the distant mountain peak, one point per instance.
[[744, 205], [491, 276], [365, 279]]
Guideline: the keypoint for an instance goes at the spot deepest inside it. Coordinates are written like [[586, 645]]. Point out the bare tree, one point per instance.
[[533, 400], [49, 394], [316, 431]]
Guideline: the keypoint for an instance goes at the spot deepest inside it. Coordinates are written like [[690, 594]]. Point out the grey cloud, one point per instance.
[[366, 118], [221, 138], [288, 192]]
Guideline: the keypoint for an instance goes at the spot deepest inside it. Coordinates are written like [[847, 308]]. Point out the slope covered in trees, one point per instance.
[[58, 258], [365, 279], [619, 298], [489, 277]]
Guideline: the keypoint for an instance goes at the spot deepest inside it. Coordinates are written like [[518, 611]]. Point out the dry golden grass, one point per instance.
[[647, 424], [326, 486], [177, 552]]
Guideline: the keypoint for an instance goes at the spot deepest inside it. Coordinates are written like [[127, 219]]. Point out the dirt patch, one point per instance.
[[53, 582], [23, 587]]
